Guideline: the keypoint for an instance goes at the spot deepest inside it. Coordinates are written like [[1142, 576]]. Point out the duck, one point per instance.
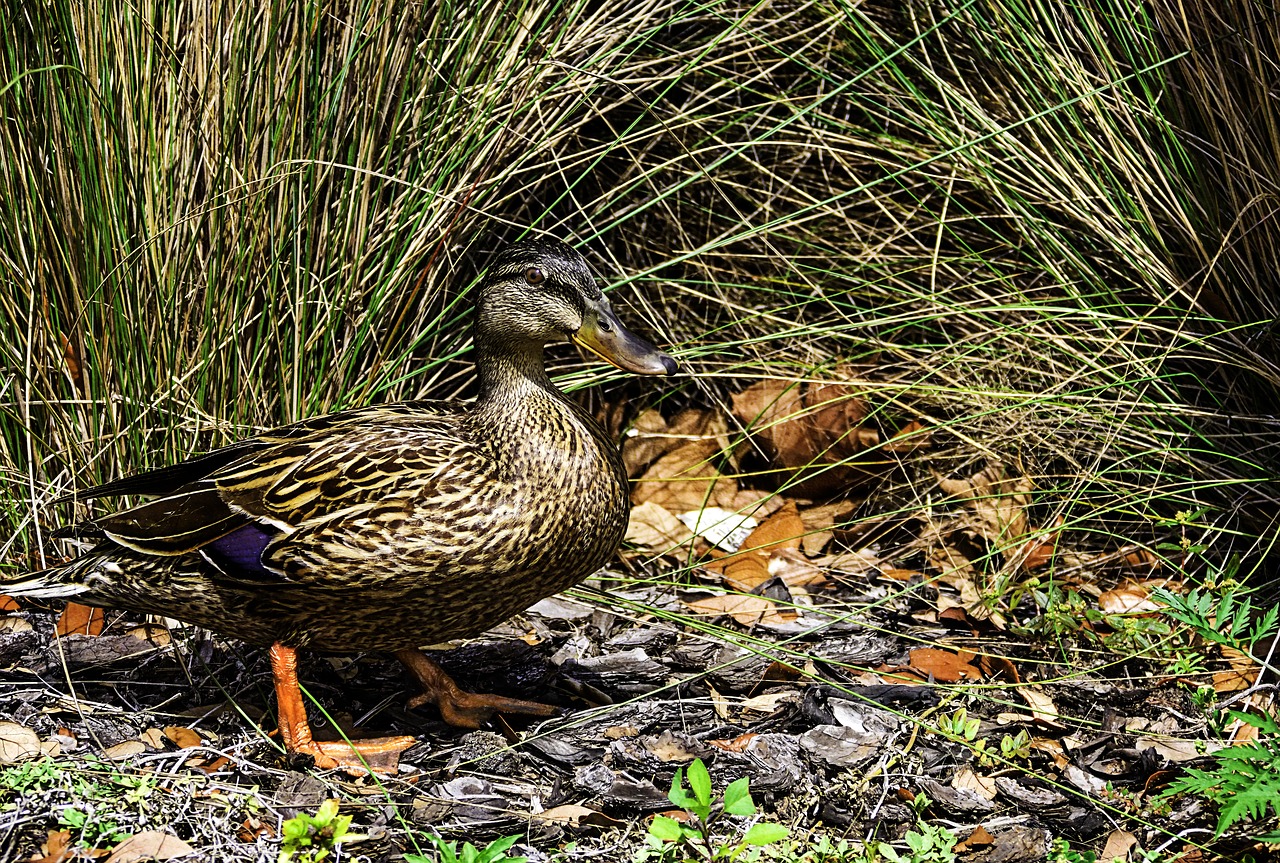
[[388, 527]]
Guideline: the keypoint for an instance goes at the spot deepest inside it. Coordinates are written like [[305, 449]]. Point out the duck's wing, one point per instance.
[[170, 478], [278, 480]]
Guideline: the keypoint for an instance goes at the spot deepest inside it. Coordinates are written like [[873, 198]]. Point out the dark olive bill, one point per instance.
[[605, 336]]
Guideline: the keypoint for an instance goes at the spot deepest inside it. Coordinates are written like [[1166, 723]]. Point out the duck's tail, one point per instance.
[[59, 582]]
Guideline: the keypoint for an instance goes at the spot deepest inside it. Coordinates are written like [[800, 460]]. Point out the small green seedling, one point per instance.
[[693, 838], [92, 829], [447, 852], [929, 844], [312, 838], [960, 724]]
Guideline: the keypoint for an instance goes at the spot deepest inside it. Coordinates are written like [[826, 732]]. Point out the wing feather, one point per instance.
[[319, 468]]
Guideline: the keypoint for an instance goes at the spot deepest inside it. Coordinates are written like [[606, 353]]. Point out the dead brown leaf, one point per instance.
[[796, 570], [749, 567], [154, 738], [212, 766], [668, 747], [687, 477], [818, 523], [984, 786], [183, 738], [895, 574], [737, 744], [655, 528], [1128, 598], [1042, 706], [77, 619], [1141, 560], [646, 441], [802, 425], [8, 603], [997, 504], [125, 749], [56, 848], [783, 529], [17, 743], [943, 665], [1039, 550], [998, 668], [253, 827], [149, 845], [573, 815], [1234, 680], [1118, 846], [910, 437], [746, 610], [979, 838]]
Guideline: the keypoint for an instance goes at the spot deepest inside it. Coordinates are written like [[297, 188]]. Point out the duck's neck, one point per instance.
[[511, 374]]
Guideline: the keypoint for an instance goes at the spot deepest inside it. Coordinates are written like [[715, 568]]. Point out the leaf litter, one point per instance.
[[765, 622]]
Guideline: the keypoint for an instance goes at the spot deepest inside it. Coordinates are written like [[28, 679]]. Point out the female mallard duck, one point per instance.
[[387, 527]]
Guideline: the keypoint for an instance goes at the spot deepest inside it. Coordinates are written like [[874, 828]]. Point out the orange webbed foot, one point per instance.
[[457, 706], [380, 754]]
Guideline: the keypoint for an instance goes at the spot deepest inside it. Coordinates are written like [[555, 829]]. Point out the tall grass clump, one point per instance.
[[1044, 230]]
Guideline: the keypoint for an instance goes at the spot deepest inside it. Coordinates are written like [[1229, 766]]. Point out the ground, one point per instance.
[[841, 732]]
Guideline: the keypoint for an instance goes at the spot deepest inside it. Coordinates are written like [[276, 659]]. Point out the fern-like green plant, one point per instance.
[[1227, 619], [1245, 782]]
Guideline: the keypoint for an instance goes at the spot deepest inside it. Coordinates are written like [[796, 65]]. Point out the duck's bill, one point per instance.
[[603, 335]]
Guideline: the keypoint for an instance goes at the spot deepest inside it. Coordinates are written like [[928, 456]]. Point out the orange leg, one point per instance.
[[457, 706], [381, 753]]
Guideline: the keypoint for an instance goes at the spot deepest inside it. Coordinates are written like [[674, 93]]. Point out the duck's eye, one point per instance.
[[534, 276]]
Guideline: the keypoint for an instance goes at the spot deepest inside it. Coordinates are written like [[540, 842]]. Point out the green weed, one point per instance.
[[697, 838], [448, 852], [312, 838]]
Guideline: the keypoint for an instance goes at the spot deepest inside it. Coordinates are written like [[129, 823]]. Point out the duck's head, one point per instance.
[[541, 290]]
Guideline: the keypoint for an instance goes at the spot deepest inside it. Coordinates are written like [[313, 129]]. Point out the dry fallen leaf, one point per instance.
[[770, 702], [651, 437], [77, 619], [1175, 749], [748, 568], [577, 816], [795, 570], [1128, 598], [125, 749], [154, 738], [979, 838], [687, 477], [253, 827], [737, 744], [912, 436], [1042, 706], [802, 425], [149, 845], [1234, 680], [184, 738], [943, 665], [997, 504], [746, 610], [997, 668], [983, 786], [655, 528], [8, 603], [57, 848], [818, 523], [667, 747], [1119, 843], [17, 743]]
